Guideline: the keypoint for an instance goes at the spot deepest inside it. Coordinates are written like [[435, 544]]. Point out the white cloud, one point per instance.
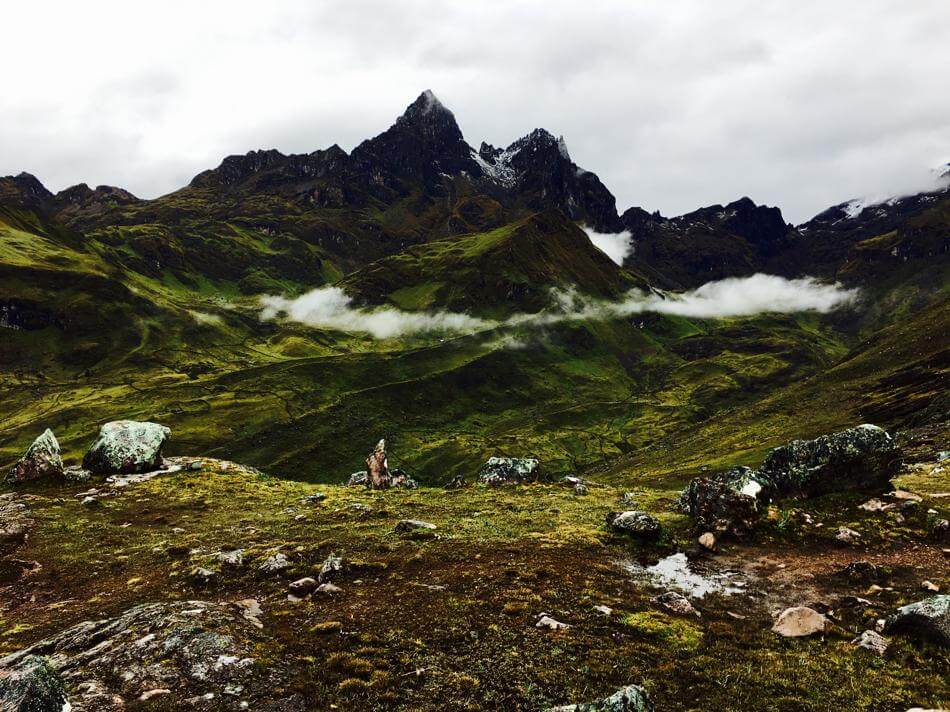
[[674, 105], [617, 246], [331, 308]]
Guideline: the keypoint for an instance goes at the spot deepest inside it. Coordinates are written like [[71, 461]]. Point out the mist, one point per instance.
[[332, 308], [617, 246]]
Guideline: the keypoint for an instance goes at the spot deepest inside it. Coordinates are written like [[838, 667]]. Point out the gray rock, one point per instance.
[[302, 587], [189, 647], [203, 576], [358, 478], [865, 457], [406, 526], [274, 564], [873, 641], [233, 559], [41, 460], [32, 685], [634, 522], [457, 482], [125, 447], [332, 569], [632, 698], [728, 502], [509, 471], [674, 602], [628, 499], [928, 619]]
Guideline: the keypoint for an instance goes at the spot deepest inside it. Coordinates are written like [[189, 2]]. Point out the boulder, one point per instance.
[[800, 621], [634, 522], [631, 698], [32, 685], [928, 619], [509, 471], [274, 564], [727, 503], [42, 459], [865, 457], [125, 447]]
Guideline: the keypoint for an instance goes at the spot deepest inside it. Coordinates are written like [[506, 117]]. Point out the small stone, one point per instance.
[[628, 499], [274, 564], [606, 610], [406, 526], [233, 559], [546, 621], [634, 522], [580, 489], [708, 541], [873, 641], [332, 568], [302, 587], [848, 536], [904, 495], [300, 518], [628, 699], [327, 627], [149, 694], [800, 621], [89, 502], [203, 576], [929, 586], [314, 498], [676, 603], [328, 588]]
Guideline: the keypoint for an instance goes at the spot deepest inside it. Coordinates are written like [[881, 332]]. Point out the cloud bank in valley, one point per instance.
[[331, 308], [617, 246]]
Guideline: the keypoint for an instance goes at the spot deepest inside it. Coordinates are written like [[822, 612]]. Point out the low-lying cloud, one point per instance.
[[617, 246], [331, 308]]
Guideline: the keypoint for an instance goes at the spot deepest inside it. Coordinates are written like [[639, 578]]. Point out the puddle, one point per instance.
[[674, 572]]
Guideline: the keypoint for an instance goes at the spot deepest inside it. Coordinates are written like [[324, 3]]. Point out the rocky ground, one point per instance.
[[209, 585]]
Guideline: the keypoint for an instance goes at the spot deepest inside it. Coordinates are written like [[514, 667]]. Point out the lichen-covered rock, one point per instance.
[[31, 685], [634, 522], [865, 457], [188, 647], [729, 502], [332, 569], [732, 502], [125, 447], [928, 619], [631, 698], [42, 459], [397, 478], [509, 471], [676, 603]]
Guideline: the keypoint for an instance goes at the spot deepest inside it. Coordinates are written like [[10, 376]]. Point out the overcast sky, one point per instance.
[[673, 104]]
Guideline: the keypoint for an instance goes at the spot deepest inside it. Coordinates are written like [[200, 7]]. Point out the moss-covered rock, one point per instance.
[[42, 459], [127, 446]]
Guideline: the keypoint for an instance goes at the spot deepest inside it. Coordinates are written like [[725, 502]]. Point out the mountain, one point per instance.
[[511, 268], [114, 307]]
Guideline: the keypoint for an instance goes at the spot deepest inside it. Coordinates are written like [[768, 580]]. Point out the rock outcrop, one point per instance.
[[42, 459], [125, 447], [928, 619], [631, 698], [190, 647], [509, 471], [32, 685], [865, 457]]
